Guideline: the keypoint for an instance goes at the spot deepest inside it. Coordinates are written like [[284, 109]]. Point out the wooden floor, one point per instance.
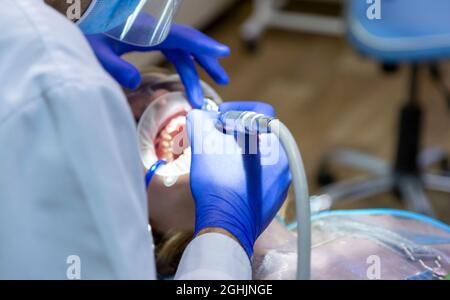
[[329, 96]]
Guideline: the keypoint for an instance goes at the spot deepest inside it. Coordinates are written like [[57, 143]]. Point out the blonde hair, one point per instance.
[[169, 248]]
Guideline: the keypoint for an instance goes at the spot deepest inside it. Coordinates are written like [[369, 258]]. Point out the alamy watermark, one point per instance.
[[73, 271], [373, 271], [74, 10], [209, 139], [374, 9]]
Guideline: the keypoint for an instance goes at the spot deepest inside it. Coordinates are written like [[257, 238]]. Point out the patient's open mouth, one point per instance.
[[171, 140], [161, 107]]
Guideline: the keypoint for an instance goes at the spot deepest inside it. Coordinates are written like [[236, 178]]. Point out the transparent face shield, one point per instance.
[[148, 24]]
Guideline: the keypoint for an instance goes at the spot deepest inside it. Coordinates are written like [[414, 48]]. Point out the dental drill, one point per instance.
[[253, 123]]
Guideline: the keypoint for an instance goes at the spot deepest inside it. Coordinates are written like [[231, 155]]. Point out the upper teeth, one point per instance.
[[164, 142]]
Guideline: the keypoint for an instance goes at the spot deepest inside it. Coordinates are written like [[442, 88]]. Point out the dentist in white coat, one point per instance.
[[71, 188]]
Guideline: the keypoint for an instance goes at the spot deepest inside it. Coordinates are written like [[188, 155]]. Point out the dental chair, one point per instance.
[[409, 32]]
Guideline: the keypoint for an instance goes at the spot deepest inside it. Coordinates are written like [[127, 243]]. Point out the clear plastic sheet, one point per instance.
[[361, 245]]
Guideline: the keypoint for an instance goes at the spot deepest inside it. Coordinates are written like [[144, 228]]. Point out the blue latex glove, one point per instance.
[[235, 191], [184, 47]]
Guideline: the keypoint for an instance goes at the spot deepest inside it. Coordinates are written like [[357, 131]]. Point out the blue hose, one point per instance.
[[151, 172]]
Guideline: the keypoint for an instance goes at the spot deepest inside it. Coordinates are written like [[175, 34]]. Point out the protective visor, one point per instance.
[[148, 24]]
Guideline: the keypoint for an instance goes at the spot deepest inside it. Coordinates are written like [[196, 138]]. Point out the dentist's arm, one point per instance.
[[215, 254], [236, 197]]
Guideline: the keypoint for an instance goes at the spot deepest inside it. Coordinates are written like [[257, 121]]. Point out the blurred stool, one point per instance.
[[416, 33]]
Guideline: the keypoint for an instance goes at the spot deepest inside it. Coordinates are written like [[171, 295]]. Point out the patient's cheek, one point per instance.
[[171, 140], [172, 207]]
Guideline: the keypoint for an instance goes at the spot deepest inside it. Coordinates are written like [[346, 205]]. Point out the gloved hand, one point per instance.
[[235, 191], [183, 47]]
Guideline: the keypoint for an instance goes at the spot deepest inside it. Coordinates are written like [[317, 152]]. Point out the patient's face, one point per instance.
[[170, 208]]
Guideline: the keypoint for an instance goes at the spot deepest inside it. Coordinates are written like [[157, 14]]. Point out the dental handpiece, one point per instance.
[[254, 123], [244, 122]]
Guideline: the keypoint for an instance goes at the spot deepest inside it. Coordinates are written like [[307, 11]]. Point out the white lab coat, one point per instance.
[[71, 182]]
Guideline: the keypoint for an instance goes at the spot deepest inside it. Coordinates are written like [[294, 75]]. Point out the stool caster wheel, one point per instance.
[[397, 194], [251, 45], [324, 177], [445, 165], [389, 68]]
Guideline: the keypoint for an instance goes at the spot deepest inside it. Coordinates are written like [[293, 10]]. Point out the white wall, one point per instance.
[[196, 13]]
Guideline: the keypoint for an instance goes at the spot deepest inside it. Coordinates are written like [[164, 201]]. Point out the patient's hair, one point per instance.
[[169, 248]]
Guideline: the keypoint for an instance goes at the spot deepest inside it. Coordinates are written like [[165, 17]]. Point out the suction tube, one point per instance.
[[250, 122]]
